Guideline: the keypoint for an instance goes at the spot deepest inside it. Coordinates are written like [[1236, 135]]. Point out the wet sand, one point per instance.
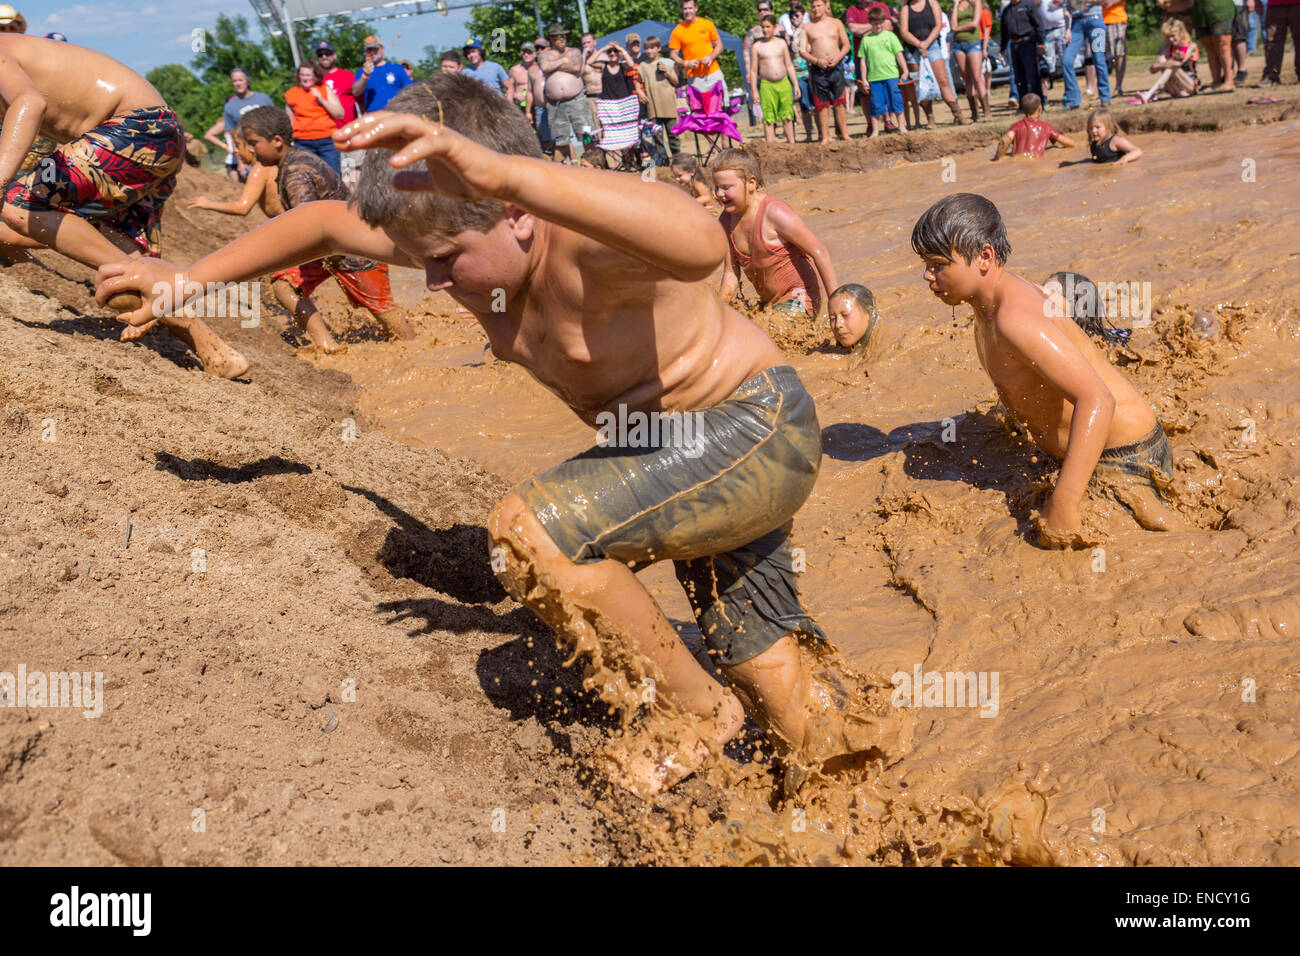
[[1149, 685]]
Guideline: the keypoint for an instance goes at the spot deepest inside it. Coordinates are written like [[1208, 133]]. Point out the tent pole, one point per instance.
[[582, 15], [537, 12], [289, 32]]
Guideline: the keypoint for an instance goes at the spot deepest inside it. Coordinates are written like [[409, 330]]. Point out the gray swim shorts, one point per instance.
[[714, 492], [1140, 457]]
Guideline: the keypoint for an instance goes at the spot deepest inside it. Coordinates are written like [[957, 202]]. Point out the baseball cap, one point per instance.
[[324, 47], [631, 36], [528, 47], [472, 45], [372, 41]]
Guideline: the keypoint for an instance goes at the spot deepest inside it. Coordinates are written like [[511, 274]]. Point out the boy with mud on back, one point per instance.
[[99, 196], [597, 284], [1074, 403]]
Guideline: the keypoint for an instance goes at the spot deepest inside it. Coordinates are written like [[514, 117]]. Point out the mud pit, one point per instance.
[[1124, 706]]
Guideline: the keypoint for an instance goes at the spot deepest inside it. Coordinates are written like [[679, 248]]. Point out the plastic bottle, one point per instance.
[[1205, 325]]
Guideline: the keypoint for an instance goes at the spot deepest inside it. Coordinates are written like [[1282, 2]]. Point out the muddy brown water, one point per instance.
[[1148, 685]]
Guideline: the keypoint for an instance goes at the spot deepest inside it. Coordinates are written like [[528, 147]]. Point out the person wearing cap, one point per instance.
[[222, 132], [377, 81], [520, 90], [337, 79], [633, 43], [488, 72], [11, 21], [567, 105]]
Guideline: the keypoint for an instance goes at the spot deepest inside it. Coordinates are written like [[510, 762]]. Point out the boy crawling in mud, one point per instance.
[[1074, 403], [598, 284], [99, 196]]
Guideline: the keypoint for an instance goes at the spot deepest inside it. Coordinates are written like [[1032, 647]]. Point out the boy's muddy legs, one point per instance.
[[305, 316], [774, 687], [217, 357], [602, 608], [395, 323]]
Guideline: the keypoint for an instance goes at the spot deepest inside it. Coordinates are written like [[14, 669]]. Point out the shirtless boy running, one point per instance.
[[774, 80], [99, 196], [1074, 403], [608, 304]]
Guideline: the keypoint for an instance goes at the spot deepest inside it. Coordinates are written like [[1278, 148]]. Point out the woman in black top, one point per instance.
[[918, 27]]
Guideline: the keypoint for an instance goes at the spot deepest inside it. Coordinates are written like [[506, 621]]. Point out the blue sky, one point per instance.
[[148, 33]]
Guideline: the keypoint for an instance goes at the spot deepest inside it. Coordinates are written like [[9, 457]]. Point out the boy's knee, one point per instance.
[[15, 218], [513, 534]]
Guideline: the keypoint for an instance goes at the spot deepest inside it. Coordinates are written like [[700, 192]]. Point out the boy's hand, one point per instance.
[[200, 202], [457, 167], [1060, 525], [160, 285]]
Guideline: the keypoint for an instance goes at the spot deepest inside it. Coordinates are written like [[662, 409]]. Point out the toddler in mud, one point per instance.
[[598, 285], [768, 242], [98, 197], [1074, 403]]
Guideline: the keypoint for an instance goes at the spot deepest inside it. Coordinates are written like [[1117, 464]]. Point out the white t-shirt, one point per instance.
[[1053, 16]]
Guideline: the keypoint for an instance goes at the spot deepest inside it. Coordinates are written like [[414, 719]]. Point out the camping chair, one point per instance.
[[620, 130], [709, 116]]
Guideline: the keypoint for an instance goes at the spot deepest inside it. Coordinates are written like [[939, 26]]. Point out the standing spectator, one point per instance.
[[620, 89], [1213, 20], [245, 99], [918, 28], [1114, 13], [772, 80], [1281, 15], [857, 21], [883, 64], [592, 63], [786, 20], [488, 72], [520, 90], [660, 77], [567, 106], [314, 110], [450, 62], [1256, 8], [696, 46], [633, 43], [801, 69], [337, 79], [1240, 27], [756, 32], [377, 81], [410, 70], [1056, 21], [537, 93], [1086, 27], [968, 49], [825, 45]]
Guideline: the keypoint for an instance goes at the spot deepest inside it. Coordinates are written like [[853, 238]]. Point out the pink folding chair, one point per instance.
[[709, 115]]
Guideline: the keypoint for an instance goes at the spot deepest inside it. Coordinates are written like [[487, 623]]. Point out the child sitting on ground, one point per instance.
[[883, 66], [1073, 402], [1107, 141], [304, 177], [769, 242], [1031, 136], [687, 174], [1176, 65], [607, 302], [98, 196]]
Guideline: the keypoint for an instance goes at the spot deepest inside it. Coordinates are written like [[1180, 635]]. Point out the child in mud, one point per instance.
[[1075, 295], [259, 188], [303, 177], [768, 242], [1107, 142], [598, 285], [853, 317], [99, 196], [1030, 136], [686, 173], [1074, 403]]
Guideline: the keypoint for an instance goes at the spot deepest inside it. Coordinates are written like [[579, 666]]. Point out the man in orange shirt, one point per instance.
[[695, 45], [1115, 16]]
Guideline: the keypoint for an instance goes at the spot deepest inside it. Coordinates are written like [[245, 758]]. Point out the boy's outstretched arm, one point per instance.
[[300, 235], [1043, 346], [1004, 145], [1131, 150], [253, 187], [652, 221], [1063, 140], [792, 229]]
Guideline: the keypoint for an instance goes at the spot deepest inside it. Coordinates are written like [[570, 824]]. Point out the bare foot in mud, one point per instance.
[[654, 755], [319, 334]]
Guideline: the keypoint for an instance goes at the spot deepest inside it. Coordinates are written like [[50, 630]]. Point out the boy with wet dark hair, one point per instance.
[[98, 197], [303, 177], [598, 284], [1073, 402]]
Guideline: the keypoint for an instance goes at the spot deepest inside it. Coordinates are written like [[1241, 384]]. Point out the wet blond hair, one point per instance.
[[1112, 127], [1175, 31], [740, 161]]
